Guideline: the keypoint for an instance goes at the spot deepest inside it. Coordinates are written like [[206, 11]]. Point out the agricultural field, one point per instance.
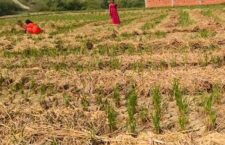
[[157, 79]]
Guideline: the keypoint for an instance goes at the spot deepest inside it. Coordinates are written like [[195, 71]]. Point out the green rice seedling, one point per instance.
[[163, 65], [217, 93], [173, 62], [144, 115], [205, 33], [181, 103], [184, 19], [160, 34], [116, 96], [54, 142], [131, 109], [66, 100], [138, 66], [112, 115], [208, 107], [207, 13], [43, 89], [156, 116], [2, 80], [18, 86], [218, 61], [205, 61], [85, 103], [115, 63]]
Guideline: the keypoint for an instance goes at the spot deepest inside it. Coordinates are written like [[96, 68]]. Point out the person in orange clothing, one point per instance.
[[30, 27]]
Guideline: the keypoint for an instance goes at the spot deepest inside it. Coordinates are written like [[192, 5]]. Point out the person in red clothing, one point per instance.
[[114, 13], [32, 28]]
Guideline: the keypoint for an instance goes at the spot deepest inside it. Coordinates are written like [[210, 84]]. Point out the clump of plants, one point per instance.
[[184, 19], [112, 115], [116, 96], [131, 109], [156, 116], [181, 103], [208, 107]]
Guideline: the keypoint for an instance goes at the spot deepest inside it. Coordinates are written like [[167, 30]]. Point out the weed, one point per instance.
[[131, 108], [156, 116]]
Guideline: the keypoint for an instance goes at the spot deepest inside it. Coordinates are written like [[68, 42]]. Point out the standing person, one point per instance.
[[114, 12]]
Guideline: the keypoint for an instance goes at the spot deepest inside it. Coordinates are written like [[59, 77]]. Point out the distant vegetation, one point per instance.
[[8, 7]]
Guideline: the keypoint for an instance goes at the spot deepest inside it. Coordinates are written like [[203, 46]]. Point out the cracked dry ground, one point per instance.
[[54, 87]]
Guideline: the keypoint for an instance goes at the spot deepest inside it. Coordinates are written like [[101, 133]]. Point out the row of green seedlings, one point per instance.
[[62, 50], [154, 22], [181, 102], [115, 63]]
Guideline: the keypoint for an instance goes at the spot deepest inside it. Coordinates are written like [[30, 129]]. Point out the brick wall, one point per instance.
[[162, 3]]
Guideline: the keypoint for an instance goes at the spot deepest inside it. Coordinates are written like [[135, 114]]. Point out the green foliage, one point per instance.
[[131, 108], [156, 116]]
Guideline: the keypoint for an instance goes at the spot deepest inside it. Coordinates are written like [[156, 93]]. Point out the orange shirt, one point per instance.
[[33, 28]]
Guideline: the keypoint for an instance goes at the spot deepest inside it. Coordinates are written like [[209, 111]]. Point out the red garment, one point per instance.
[[114, 14], [33, 28]]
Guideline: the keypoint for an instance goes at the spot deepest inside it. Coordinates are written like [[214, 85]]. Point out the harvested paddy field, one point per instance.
[[159, 78]]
